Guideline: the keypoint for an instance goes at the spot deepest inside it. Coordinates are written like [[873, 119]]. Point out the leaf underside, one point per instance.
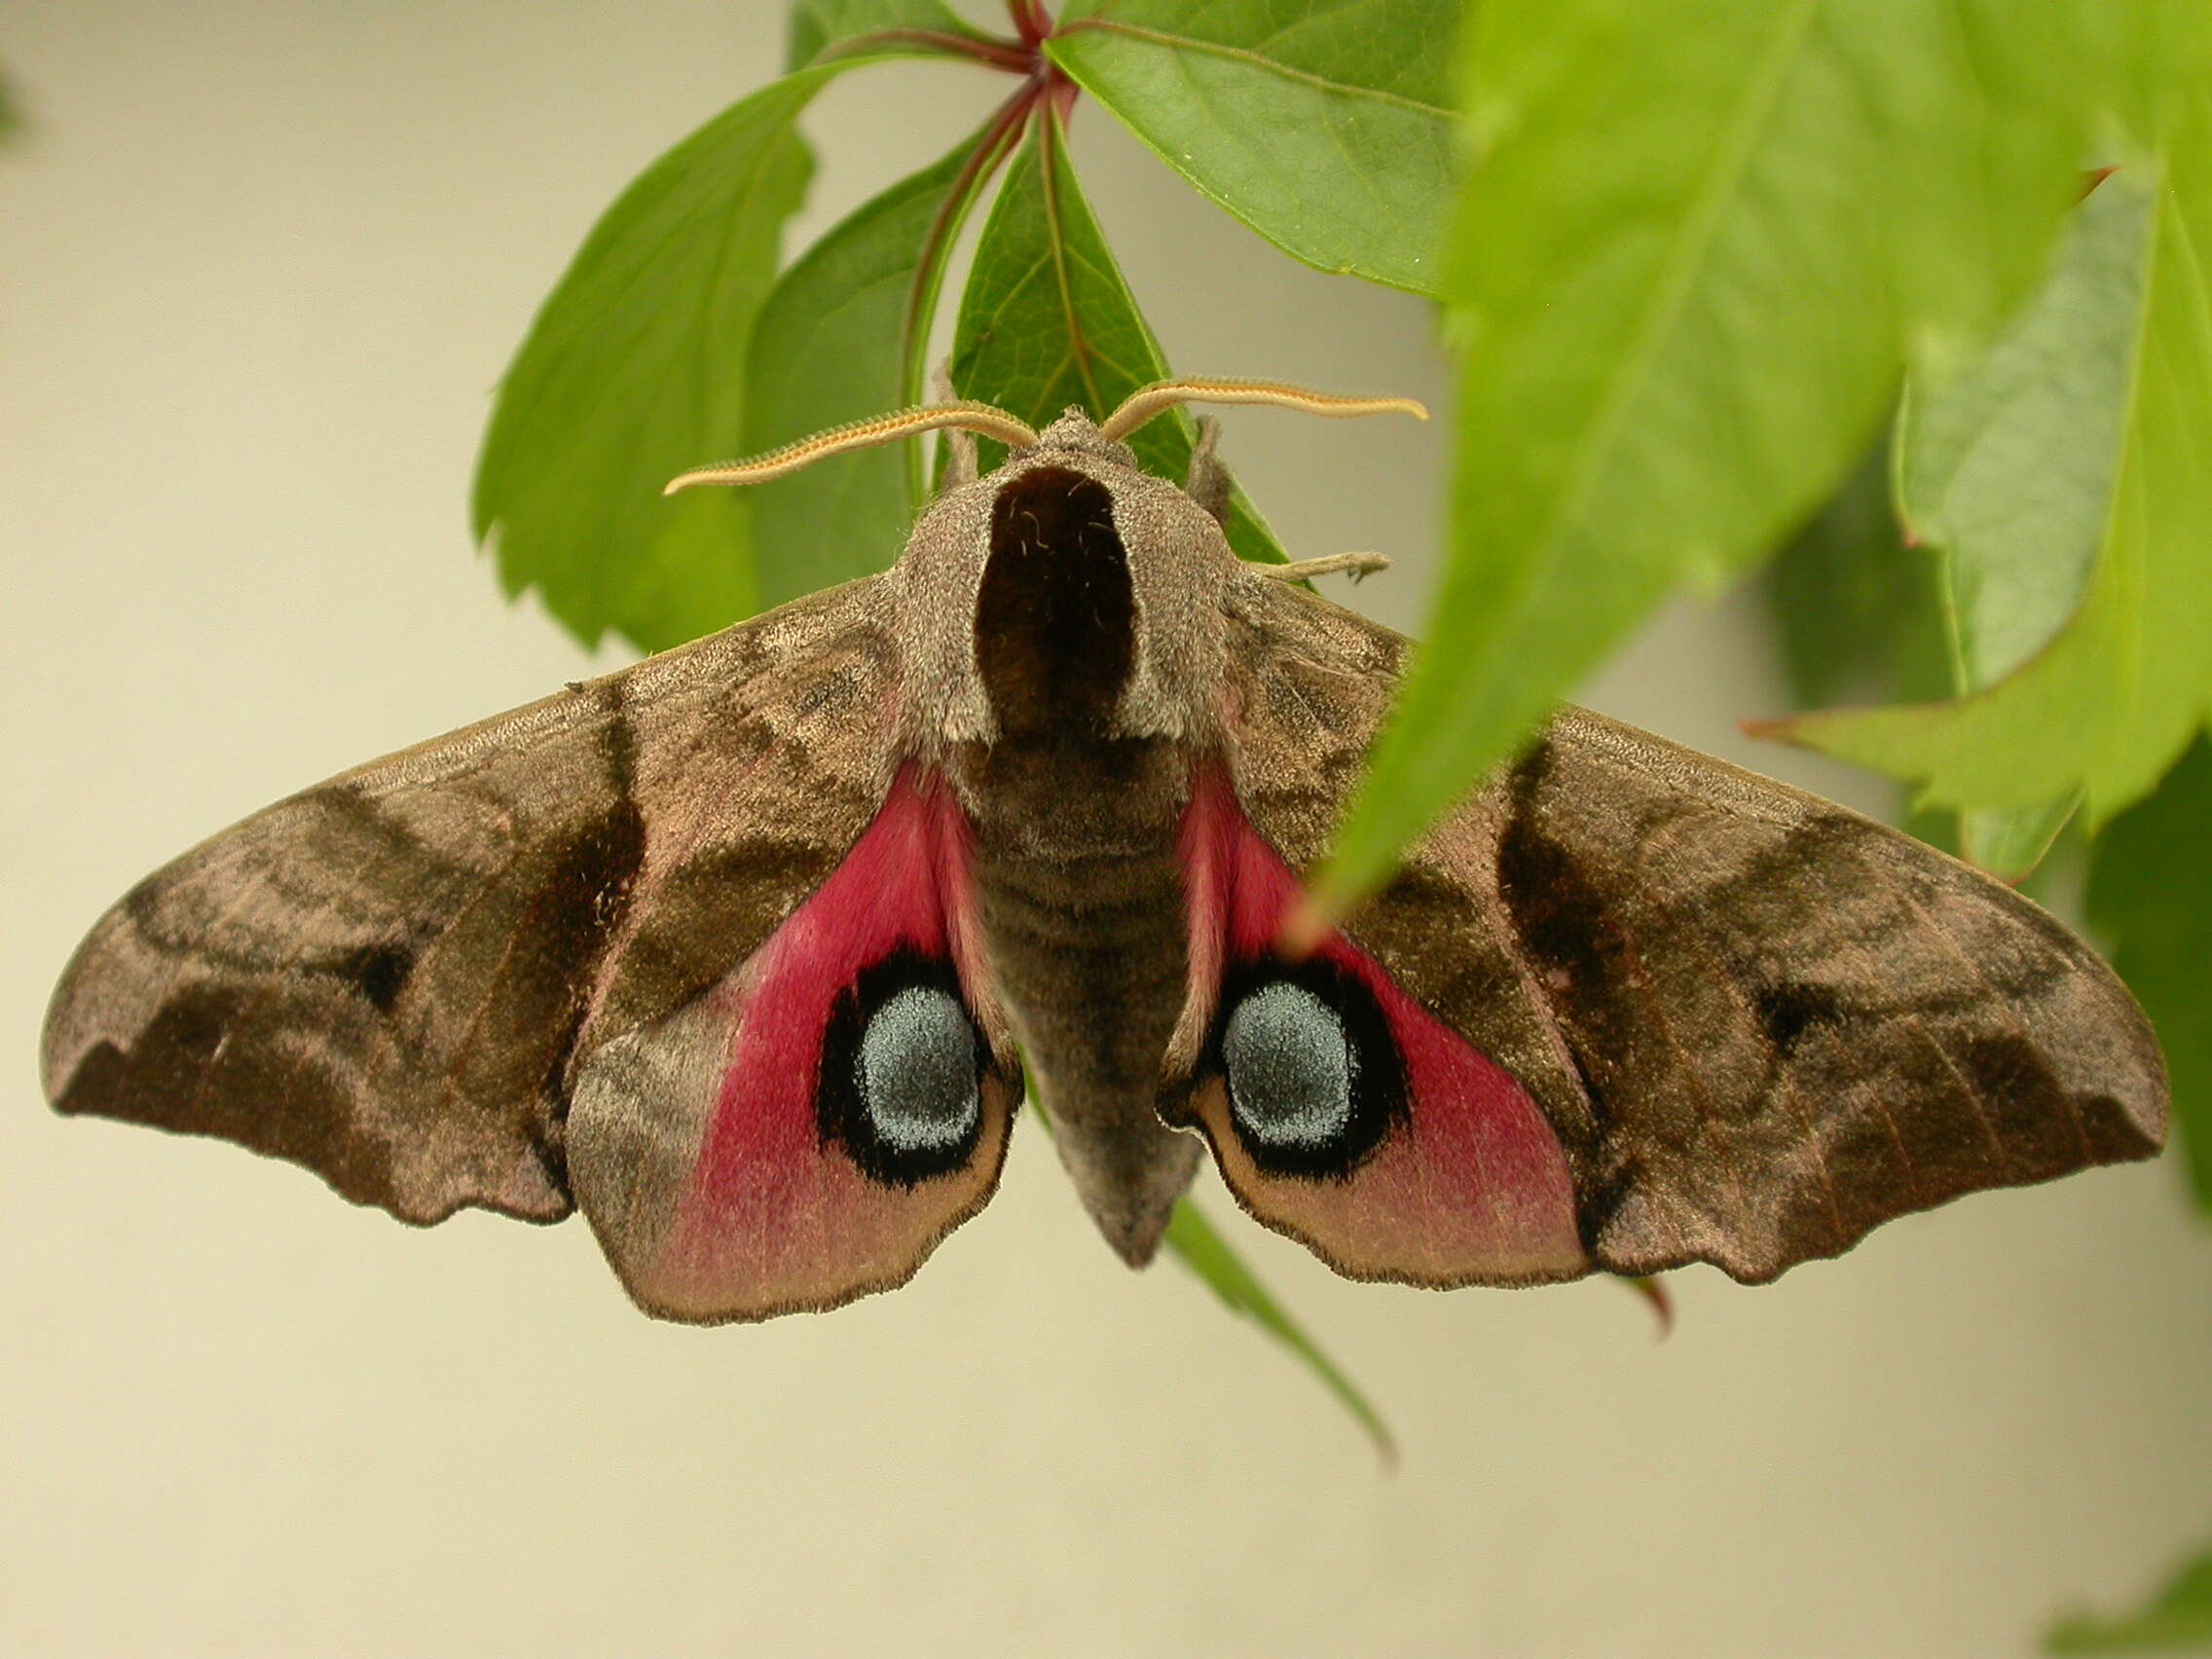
[[1679, 322]]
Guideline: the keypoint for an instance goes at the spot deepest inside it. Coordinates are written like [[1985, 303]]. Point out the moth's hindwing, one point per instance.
[[1693, 1014], [1343, 1112], [809, 1128]]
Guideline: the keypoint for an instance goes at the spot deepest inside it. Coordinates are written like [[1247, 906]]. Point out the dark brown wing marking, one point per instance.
[[1760, 1024], [393, 976]]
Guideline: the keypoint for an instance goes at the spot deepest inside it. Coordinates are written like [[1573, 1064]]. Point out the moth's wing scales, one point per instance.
[[1758, 1025], [759, 1147], [1839, 1024], [398, 979]]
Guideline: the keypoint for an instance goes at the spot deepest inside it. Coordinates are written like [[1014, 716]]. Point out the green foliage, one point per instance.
[[1846, 592], [819, 28], [2006, 478], [1679, 322], [2150, 901], [1322, 124], [1195, 1242], [2178, 1617], [2008, 470], [2106, 706], [634, 371], [1860, 612], [1047, 323], [840, 337], [2008, 475]]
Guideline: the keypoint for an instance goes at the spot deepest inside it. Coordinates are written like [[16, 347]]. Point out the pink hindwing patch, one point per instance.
[[1340, 1110], [834, 1105]]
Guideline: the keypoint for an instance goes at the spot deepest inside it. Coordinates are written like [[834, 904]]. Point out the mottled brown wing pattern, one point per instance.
[[393, 976], [1759, 1024]]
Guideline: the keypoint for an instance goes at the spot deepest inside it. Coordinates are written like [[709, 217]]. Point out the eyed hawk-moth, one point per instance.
[[752, 949]]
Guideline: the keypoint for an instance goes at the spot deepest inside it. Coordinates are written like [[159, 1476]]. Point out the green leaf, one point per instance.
[[2150, 899], [2007, 475], [633, 371], [1859, 614], [1197, 1246], [1321, 123], [1697, 245], [1047, 322], [821, 27], [2116, 694], [1846, 591], [2010, 841], [842, 337], [2178, 1617], [2008, 470]]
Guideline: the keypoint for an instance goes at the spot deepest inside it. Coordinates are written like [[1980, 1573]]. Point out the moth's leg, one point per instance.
[[1208, 481], [959, 443], [1359, 565]]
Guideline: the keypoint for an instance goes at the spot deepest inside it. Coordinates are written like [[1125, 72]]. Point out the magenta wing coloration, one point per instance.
[[1420, 1157], [804, 1131]]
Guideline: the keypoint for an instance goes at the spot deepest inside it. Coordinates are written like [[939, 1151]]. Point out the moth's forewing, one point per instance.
[[405, 979]]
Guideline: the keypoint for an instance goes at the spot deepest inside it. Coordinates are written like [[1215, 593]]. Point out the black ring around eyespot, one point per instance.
[[842, 1109], [1376, 1070]]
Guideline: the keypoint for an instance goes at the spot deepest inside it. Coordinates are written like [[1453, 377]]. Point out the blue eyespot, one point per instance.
[[901, 1087], [915, 1072], [1314, 1078], [1291, 1069]]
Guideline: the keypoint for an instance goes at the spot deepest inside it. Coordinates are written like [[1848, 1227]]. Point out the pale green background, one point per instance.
[[260, 265]]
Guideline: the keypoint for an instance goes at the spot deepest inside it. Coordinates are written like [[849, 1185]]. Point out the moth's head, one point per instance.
[[1067, 591]]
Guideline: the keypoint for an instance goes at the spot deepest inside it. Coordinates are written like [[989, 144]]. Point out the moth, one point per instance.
[[751, 951]]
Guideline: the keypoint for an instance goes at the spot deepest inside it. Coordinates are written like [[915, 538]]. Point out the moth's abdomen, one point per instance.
[[1079, 895]]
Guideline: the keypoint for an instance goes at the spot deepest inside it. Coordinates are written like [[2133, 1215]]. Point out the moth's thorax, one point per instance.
[[1066, 594]]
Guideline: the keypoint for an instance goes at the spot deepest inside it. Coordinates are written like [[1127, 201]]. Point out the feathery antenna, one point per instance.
[[981, 418], [1142, 404]]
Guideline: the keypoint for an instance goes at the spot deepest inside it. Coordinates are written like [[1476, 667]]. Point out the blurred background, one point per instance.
[[263, 265]]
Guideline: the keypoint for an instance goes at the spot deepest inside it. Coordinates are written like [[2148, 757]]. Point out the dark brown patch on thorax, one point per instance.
[[1055, 620]]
